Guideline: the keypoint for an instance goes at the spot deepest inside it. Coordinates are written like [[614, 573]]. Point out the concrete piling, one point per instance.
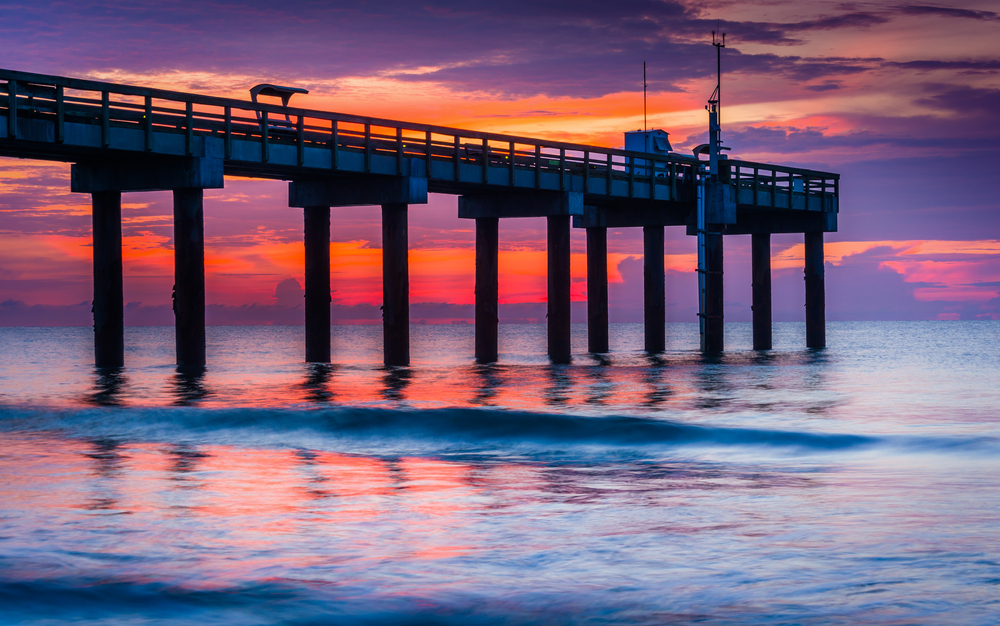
[[597, 290], [395, 285], [714, 337], [109, 324], [815, 291], [487, 287], [317, 296], [654, 295], [559, 289], [760, 259], [189, 277]]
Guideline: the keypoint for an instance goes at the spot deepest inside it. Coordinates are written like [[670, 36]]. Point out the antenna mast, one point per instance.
[[715, 109], [709, 239], [643, 96]]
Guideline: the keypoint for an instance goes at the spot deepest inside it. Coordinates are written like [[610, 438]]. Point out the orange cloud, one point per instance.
[[834, 252], [954, 277]]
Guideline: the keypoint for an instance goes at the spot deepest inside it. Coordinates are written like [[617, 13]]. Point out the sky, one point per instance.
[[902, 99]]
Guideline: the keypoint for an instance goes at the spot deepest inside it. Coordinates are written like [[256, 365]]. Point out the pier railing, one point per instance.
[[591, 169], [778, 186]]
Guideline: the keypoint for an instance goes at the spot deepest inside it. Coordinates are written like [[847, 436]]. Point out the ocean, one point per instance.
[[856, 484]]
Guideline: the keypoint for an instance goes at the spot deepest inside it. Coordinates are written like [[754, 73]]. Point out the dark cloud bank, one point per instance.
[[515, 48]]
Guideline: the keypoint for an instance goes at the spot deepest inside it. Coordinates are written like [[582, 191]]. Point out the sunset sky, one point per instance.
[[903, 100]]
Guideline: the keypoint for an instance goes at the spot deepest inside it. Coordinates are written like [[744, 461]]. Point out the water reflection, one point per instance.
[[764, 357], [396, 475], [711, 381], [109, 463], [189, 386], [311, 466], [561, 385], [184, 462], [317, 382], [816, 361], [659, 390], [395, 380], [601, 387], [488, 381], [108, 386]]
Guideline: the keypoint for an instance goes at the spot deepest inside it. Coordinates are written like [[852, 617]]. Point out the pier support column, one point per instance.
[[556, 207], [109, 324], [317, 244], [760, 256], [597, 289], [395, 285], [559, 289], [394, 194], [106, 179], [487, 287], [714, 338], [654, 295], [815, 291], [189, 277]]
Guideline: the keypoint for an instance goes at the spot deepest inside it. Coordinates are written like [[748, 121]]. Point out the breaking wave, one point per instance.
[[441, 429]]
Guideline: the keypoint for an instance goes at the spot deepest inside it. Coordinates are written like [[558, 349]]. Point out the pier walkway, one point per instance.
[[123, 138]]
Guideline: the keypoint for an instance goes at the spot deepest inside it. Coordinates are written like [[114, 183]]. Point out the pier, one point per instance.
[[122, 138]]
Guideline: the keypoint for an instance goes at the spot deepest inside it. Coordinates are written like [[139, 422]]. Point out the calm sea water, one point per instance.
[[855, 484]]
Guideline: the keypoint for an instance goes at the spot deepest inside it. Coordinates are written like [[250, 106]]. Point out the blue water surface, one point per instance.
[[854, 484]]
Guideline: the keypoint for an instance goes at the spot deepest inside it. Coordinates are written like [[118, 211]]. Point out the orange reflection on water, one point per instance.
[[242, 499]]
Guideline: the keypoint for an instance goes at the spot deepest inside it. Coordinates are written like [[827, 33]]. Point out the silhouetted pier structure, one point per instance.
[[122, 138]]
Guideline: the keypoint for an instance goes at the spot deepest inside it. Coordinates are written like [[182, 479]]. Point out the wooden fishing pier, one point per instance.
[[123, 138]]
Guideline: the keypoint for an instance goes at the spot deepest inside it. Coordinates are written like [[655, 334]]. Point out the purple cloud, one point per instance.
[[933, 11], [515, 48]]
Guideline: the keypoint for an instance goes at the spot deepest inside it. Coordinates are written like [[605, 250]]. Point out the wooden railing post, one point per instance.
[[562, 169], [652, 179], [510, 164], [148, 124], [12, 109], [427, 154], [229, 132], [486, 161], [334, 147], [60, 115], [300, 142], [399, 151], [189, 134], [631, 176], [265, 133], [368, 148], [538, 166], [608, 174], [105, 120]]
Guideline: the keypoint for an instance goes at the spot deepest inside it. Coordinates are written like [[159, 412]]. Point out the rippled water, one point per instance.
[[855, 484]]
